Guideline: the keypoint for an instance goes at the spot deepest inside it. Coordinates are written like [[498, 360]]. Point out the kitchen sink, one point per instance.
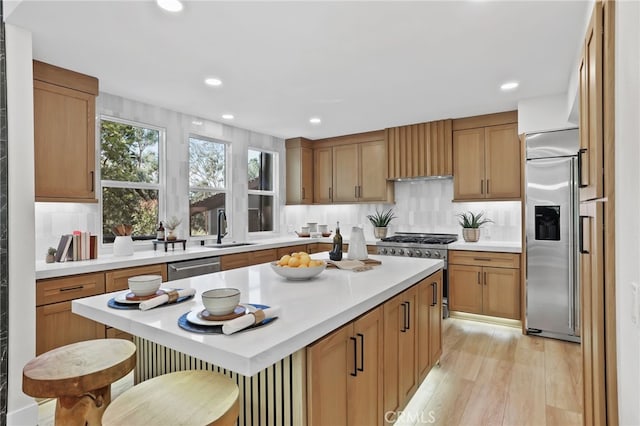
[[227, 245]]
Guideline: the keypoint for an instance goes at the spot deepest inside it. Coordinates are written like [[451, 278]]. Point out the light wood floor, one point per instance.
[[488, 375], [494, 375]]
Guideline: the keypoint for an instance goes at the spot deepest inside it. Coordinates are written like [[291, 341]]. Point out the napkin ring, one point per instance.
[[259, 316], [173, 295]]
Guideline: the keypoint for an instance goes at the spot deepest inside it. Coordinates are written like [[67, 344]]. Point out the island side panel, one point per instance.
[[275, 396]]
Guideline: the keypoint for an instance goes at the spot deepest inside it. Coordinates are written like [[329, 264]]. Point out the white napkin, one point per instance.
[[161, 300], [248, 320]]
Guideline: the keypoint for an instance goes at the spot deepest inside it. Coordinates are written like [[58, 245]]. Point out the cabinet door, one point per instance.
[[501, 293], [64, 143], [394, 323], [290, 249], [372, 184], [365, 389], [330, 361], [425, 298], [435, 318], [299, 175], [465, 288], [591, 112], [345, 173], [119, 279], [502, 162], [323, 175], [468, 164], [307, 175], [408, 380], [56, 326]]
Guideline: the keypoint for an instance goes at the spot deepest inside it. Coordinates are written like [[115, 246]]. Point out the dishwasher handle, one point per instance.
[[192, 267], [186, 269]]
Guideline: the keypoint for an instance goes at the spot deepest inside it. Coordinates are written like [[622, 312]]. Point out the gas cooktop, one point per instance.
[[419, 238]]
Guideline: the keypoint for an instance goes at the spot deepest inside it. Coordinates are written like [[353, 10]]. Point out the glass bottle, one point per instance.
[[336, 251], [160, 233]]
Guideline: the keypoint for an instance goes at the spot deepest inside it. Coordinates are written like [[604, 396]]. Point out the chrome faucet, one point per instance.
[[222, 223]]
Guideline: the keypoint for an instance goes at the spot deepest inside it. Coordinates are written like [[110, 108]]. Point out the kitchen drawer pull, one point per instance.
[[361, 336], [355, 357], [404, 318], [434, 302], [78, 287], [482, 259]]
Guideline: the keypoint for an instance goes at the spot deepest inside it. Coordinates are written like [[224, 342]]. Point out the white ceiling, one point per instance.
[[358, 65]]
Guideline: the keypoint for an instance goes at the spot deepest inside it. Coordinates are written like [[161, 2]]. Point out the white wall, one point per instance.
[[421, 206], [21, 409], [627, 177], [55, 219], [543, 113]]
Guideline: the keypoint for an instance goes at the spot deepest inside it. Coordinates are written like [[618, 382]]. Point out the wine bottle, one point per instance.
[[336, 251], [160, 233]]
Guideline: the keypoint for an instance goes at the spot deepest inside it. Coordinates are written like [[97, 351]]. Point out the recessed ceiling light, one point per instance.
[[509, 85], [212, 81], [170, 5], [315, 120], [227, 116]]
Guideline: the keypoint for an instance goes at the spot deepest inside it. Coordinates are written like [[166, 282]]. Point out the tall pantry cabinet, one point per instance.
[[64, 134]]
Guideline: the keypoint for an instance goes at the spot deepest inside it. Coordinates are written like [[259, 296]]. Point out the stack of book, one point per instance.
[[77, 246]]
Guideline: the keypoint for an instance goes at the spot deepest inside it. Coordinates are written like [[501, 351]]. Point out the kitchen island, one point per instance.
[[309, 310]]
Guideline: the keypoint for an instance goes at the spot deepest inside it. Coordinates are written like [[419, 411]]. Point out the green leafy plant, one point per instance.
[[472, 220], [51, 251], [381, 219]]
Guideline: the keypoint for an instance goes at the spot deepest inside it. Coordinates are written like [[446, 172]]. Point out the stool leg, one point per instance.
[[83, 410]]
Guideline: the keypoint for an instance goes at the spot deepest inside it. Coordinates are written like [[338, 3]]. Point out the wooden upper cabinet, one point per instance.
[[64, 134], [591, 177], [487, 161], [299, 171], [323, 175], [345, 173], [419, 150], [372, 164]]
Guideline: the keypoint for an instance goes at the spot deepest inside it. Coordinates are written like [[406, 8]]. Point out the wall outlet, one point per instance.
[[634, 304]]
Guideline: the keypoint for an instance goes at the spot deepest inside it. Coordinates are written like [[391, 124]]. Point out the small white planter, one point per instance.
[[123, 246]]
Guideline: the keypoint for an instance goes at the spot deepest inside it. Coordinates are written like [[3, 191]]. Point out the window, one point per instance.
[[130, 177], [207, 184], [261, 190]]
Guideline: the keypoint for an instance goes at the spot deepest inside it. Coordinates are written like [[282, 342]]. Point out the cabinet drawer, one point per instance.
[[240, 260], [291, 249], [262, 256], [484, 258], [62, 289], [119, 279]]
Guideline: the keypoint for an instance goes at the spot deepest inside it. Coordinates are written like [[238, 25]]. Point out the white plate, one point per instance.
[[122, 297], [194, 318]]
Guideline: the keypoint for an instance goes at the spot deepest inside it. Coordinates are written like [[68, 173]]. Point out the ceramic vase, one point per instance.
[[123, 246]]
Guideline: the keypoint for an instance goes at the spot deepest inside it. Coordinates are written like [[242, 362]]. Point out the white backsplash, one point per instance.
[[421, 206]]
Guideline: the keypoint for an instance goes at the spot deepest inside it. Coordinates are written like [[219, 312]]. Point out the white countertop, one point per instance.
[[149, 257], [487, 245], [309, 310]]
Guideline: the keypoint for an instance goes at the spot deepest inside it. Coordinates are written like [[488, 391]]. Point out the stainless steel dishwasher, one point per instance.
[[192, 268]]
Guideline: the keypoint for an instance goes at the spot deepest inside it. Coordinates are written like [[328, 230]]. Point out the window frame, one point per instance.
[[273, 192], [228, 208], [162, 175]]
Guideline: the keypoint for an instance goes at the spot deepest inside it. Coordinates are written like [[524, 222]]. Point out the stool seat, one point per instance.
[[195, 397], [79, 375]]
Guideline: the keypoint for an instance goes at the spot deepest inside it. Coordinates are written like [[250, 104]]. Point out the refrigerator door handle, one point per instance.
[[572, 235], [581, 151]]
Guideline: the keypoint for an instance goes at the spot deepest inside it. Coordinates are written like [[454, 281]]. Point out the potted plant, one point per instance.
[[51, 255], [171, 225], [380, 221], [471, 224]]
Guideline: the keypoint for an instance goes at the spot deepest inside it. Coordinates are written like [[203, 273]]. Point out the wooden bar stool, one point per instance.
[[79, 375], [194, 397]]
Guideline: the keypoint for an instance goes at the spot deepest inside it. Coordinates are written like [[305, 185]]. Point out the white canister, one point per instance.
[[313, 226], [357, 245], [123, 246]]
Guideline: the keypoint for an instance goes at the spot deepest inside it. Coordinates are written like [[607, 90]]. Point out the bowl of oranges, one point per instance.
[[298, 266]]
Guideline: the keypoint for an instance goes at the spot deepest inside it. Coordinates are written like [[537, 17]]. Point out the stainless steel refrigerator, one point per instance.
[[553, 284]]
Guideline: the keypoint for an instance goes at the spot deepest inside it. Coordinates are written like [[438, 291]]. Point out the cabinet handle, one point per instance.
[[434, 302], [330, 193], [408, 315], [78, 287], [479, 282], [355, 357], [361, 352], [482, 186], [482, 259], [359, 191], [485, 278], [487, 186], [92, 180], [581, 236], [303, 193], [404, 318], [355, 191], [580, 184]]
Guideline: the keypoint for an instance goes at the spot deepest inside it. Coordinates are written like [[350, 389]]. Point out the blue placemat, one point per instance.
[[117, 305], [217, 329]]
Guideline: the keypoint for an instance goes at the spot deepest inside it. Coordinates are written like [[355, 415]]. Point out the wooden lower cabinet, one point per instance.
[[477, 286], [344, 385], [429, 323], [240, 260], [290, 249], [56, 325], [119, 279]]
